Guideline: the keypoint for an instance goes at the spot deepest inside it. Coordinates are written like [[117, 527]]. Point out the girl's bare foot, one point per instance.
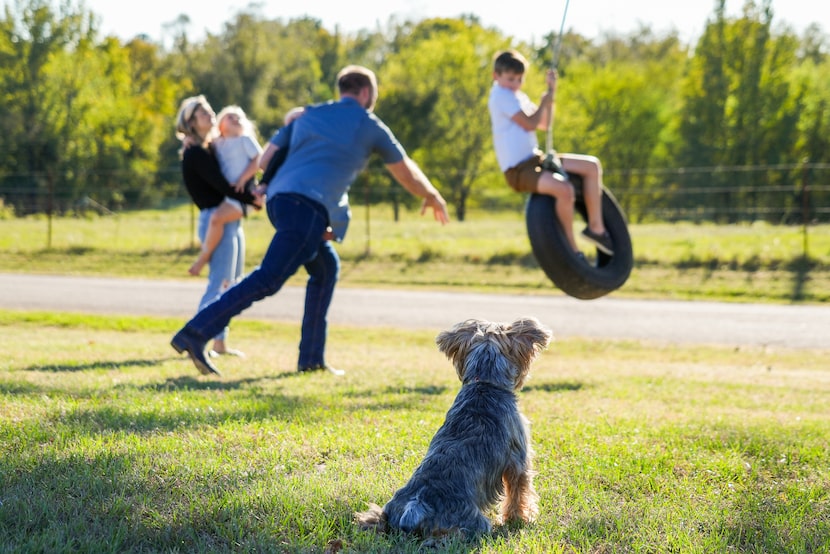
[[221, 349]]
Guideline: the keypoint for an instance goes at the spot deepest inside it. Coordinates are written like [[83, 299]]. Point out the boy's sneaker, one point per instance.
[[602, 242]]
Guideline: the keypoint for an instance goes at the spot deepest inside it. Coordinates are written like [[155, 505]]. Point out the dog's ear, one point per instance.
[[531, 336], [456, 341]]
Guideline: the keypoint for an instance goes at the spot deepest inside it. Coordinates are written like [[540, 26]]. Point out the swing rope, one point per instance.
[[556, 51]]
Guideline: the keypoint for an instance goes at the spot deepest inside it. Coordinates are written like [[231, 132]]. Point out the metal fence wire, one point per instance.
[[793, 194]]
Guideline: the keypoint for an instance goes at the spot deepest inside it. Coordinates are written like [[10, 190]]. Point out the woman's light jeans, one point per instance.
[[227, 262]]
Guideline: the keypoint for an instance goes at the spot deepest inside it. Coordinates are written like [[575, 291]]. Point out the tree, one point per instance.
[[616, 101], [435, 87], [738, 104], [266, 67], [45, 55], [812, 83]]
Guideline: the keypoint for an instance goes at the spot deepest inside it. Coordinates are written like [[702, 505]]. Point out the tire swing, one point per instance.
[[575, 275]]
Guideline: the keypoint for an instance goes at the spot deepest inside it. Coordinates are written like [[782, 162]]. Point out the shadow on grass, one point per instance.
[[395, 398], [253, 402], [757, 523], [430, 390], [413, 397], [398, 541], [127, 364], [195, 383], [58, 497], [110, 365], [800, 269], [19, 388], [138, 419], [115, 502], [521, 259], [553, 387], [125, 502]]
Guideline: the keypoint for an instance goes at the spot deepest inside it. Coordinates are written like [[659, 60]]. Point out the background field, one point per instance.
[[487, 252], [111, 443]]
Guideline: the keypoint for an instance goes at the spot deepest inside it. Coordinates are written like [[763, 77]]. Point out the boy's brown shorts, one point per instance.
[[524, 177]]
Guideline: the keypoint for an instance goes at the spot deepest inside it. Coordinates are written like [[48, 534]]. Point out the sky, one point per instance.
[[589, 18]]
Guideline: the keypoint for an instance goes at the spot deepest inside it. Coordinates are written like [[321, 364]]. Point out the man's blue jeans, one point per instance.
[[300, 223]]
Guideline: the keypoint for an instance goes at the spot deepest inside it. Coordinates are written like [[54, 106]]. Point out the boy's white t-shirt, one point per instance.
[[513, 144], [234, 154]]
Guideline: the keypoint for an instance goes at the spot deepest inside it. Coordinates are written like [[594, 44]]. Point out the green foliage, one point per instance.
[[266, 67], [742, 108], [88, 117], [621, 111], [451, 130], [83, 121]]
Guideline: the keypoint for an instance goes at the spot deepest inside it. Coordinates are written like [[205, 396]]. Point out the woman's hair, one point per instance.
[[509, 61], [184, 119], [248, 127]]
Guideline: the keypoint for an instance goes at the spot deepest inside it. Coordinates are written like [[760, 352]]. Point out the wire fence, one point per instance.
[[793, 194]]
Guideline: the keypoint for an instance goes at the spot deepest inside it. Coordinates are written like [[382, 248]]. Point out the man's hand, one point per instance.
[[439, 207], [409, 175]]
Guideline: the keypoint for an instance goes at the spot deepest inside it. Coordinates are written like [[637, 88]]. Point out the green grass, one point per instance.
[[487, 252], [112, 443]]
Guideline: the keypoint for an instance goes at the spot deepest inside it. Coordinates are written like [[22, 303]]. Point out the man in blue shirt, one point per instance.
[[308, 203]]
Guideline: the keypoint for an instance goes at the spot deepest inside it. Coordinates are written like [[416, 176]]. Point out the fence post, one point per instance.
[[50, 208], [368, 248], [805, 206]]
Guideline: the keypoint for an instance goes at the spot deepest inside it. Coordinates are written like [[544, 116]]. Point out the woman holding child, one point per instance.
[[208, 188]]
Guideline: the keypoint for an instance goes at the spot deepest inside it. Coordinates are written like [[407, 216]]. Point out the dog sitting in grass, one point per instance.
[[481, 454]]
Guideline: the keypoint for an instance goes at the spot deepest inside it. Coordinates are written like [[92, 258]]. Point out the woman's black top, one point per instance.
[[204, 180]]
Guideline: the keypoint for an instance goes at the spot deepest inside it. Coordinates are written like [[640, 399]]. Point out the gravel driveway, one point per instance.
[[790, 326]]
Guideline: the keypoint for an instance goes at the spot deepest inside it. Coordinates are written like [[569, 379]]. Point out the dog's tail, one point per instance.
[[414, 514], [372, 519]]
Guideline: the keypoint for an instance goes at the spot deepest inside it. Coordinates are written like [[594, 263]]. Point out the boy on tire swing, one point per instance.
[[515, 119]]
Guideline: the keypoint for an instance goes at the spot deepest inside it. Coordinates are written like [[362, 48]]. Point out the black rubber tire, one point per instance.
[[573, 275]]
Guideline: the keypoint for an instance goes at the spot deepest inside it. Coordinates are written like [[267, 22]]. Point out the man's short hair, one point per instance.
[[510, 61], [353, 78]]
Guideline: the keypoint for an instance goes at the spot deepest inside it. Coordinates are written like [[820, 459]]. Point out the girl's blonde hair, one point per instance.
[[248, 127]]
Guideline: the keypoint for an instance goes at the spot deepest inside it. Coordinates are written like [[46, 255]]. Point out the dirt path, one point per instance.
[[608, 317]]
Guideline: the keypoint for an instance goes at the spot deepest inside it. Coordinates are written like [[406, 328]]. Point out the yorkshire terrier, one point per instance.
[[481, 454]]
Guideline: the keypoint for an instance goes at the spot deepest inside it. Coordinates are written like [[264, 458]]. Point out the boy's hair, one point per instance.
[[509, 61]]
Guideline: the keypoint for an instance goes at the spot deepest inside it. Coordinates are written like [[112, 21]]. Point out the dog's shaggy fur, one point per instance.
[[481, 454]]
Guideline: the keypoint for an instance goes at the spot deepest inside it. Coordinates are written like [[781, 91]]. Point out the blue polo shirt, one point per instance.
[[329, 145]]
